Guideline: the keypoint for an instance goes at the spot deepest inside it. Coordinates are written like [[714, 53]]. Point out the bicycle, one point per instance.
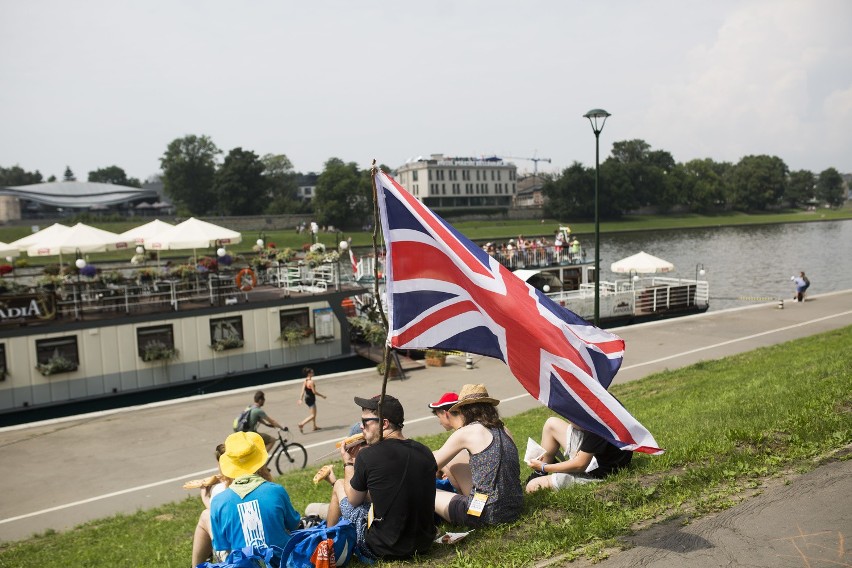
[[288, 456]]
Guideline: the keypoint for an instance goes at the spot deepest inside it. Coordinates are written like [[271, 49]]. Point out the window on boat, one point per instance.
[[57, 354], [158, 339]]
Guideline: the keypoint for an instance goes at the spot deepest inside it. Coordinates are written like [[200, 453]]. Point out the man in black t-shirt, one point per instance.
[[588, 457], [397, 521]]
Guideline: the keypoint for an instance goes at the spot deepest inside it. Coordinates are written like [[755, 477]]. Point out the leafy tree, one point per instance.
[[69, 175], [16, 175], [239, 185], [189, 165], [829, 187], [283, 185], [51, 179], [800, 187], [113, 175], [702, 184], [758, 182], [640, 175], [343, 194], [571, 195]]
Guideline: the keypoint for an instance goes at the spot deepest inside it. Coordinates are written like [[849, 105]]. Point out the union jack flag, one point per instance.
[[445, 292]]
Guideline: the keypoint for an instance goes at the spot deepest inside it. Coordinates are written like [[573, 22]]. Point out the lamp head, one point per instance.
[[344, 245], [259, 242], [140, 249], [221, 252], [546, 288], [80, 263], [597, 117]]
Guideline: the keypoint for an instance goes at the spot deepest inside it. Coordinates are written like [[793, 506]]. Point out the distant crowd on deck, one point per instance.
[[395, 492]]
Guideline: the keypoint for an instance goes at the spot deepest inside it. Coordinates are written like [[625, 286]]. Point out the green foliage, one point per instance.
[[239, 185], [189, 165], [294, 334], [56, 364], [113, 175], [158, 351], [829, 187], [283, 184], [800, 188], [343, 195], [226, 343], [68, 175], [757, 183], [10, 177]]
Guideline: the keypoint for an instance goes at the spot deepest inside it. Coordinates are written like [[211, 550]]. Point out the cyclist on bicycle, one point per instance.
[[259, 416]]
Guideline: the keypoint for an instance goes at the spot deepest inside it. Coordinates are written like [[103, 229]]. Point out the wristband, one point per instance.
[[542, 468], [349, 464]]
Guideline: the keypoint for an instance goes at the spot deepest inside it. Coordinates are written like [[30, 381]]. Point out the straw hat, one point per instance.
[[474, 394], [245, 453]]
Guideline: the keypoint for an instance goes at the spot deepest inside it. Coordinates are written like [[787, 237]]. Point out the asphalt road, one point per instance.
[[93, 466]]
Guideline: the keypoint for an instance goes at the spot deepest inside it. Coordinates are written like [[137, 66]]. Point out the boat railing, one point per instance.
[[538, 257]]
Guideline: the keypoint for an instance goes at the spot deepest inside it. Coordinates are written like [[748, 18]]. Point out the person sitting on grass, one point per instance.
[[202, 539], [253, 510], [588, 457], [492, 492], [441, 409]]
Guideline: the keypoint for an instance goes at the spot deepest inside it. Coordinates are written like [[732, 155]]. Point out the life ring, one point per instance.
[[252, 279]]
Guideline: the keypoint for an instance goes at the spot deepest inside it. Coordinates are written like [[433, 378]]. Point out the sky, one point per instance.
[[91, 83]]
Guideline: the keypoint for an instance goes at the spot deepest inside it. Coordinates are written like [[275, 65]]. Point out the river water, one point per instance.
[[743, 262]]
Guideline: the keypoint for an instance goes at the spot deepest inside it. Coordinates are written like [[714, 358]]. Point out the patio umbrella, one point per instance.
[[641, 263], [44, 235], [8, 250], [143, 234], [193, 234], [80, 237]]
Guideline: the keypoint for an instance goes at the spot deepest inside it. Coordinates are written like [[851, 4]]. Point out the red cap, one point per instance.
[[447, 400]]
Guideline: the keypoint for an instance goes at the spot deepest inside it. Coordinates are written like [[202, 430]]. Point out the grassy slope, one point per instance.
[[729, 426]]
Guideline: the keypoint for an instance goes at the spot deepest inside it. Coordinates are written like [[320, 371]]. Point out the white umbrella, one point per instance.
[[143, 234], [641, 263], [44, 235], [8, 250], [193, 234], [80, 237]]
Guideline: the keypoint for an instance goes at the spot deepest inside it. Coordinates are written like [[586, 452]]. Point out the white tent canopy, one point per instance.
[[143, 234], [44, 235], [80, 237], [641, 263], [193, 234], [8, 250]]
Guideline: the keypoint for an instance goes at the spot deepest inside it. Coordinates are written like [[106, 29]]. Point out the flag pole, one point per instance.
[[387, 350]]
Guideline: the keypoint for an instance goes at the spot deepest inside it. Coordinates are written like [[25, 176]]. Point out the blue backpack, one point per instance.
[[297, 553], [256, 556]]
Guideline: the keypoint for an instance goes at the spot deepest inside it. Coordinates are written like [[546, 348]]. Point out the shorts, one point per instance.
[[358, 517], [563, 480], [459, 505], [445, 485]]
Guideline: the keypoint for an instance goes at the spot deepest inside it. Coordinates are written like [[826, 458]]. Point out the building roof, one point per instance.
[[78, 194]]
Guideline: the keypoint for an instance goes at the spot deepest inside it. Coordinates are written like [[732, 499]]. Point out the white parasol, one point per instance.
[[641, 263], [142, 234], [80, 237], [8, 250], [193, 234], [46, 234]]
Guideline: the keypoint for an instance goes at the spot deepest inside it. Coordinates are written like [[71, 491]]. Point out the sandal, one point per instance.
[[323, 473], [300, 429]]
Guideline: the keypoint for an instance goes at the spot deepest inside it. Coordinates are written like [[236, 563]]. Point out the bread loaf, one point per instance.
[[352, 441]]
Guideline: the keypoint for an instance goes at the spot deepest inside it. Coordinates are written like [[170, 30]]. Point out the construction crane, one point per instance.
[[535, 162]]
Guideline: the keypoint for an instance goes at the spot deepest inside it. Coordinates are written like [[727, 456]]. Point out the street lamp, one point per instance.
[[341, 248], [80, 263], [594, 116], [699, 271]]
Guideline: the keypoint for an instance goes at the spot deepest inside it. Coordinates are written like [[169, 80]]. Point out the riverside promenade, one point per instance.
[[97, 465]]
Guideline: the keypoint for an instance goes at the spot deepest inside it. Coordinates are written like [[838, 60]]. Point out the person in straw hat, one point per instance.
[[252, 510], [491, 493]]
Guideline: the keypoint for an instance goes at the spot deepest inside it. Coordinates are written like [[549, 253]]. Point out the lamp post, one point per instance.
[[341, 248], [634, 277], [699, 271], [80, 263], [594, 116]]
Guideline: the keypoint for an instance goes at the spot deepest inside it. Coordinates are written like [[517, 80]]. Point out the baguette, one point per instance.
[[352, 441], [199, 483]]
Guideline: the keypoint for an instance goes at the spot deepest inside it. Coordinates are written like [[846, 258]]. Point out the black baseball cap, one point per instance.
[[391, 407]]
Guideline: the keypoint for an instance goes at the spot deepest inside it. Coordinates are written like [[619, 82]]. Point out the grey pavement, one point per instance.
[[92, 466]]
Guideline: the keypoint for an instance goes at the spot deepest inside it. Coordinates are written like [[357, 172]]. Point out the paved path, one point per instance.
[[92, 466]]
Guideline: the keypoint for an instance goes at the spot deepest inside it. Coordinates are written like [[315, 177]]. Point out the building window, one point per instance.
[[156, 343], [295, 325], [226, 333], [56, 355], [414, 175]]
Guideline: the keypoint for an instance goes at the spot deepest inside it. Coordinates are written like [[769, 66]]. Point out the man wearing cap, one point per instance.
[[395, 520], [458, 466], [252, 510]]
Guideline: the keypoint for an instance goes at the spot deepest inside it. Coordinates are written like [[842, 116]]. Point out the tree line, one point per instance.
[[636, 177], [633, 177]]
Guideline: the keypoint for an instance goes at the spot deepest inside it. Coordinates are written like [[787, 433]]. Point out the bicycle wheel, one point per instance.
[[292, 456]]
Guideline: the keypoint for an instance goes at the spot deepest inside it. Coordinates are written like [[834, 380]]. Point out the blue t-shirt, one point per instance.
[[264, 516]]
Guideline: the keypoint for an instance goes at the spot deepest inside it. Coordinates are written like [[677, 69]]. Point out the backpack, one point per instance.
[[303, 544], [241, 422], [256, 556]]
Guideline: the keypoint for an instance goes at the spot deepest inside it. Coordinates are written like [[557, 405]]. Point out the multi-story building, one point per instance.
[[307, 186], [453, 183]]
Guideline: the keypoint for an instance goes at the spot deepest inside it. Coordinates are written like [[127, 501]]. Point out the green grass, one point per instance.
[[729, 427], [476, 230]]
